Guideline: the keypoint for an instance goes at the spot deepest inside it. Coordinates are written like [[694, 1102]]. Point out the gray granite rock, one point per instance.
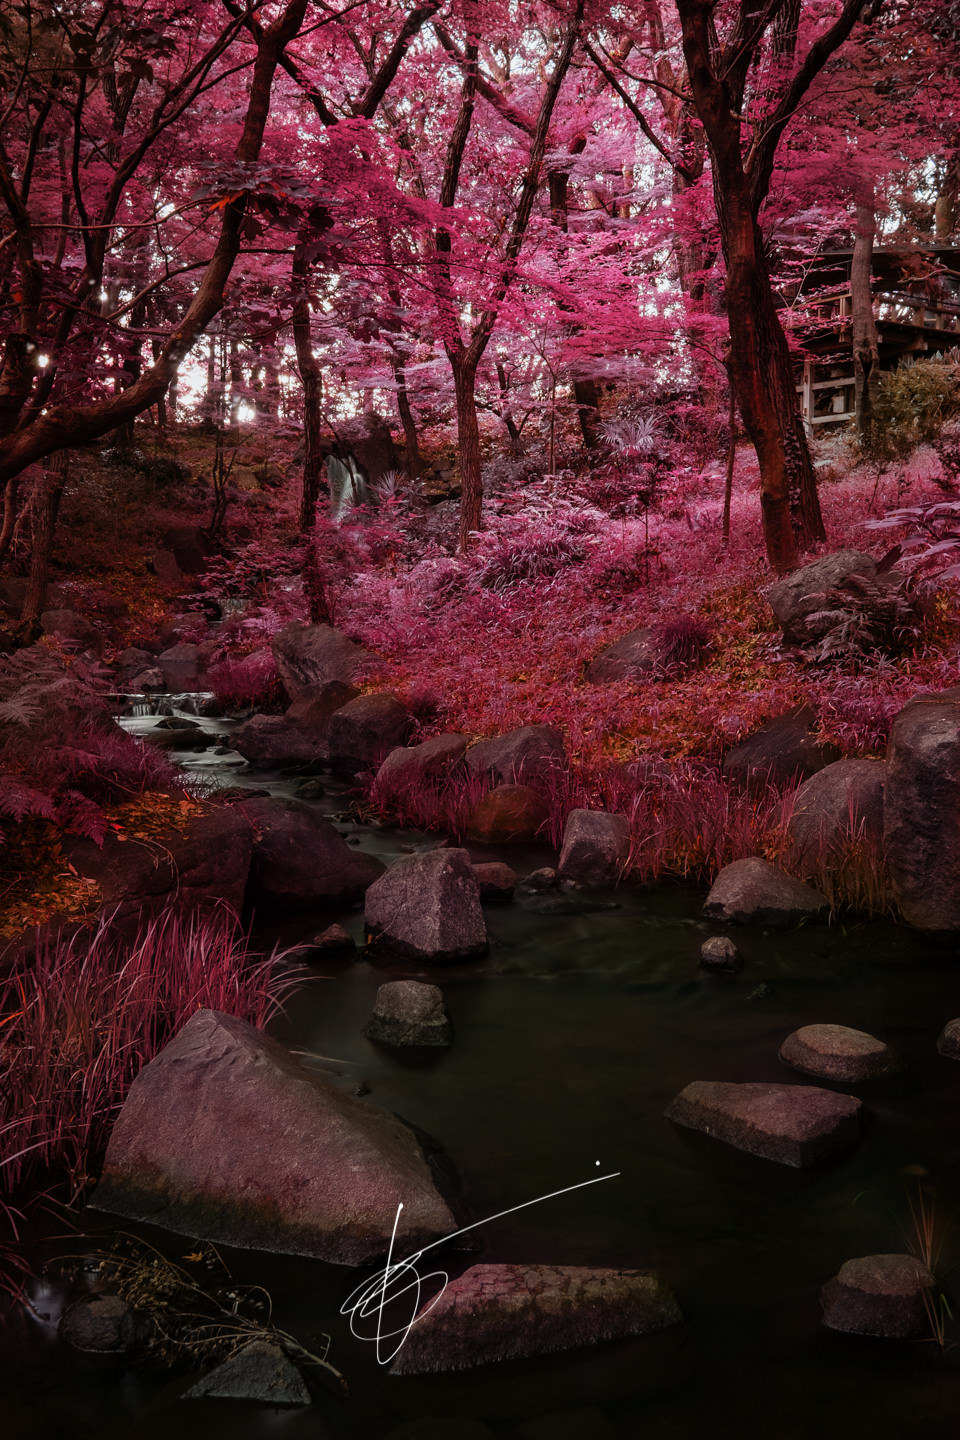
[[428, 905], [754, 891], [835, 1052], [720, 953], [300, 858], [530, 755], [259, 1372], [226, 1137], [794, 1125], [308, 655], [363, 732], [407, 1012], [494, 1313], [921, 811], [596, 847], [879, 1295]]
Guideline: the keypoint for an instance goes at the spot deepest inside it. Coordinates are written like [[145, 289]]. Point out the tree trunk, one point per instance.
[[731, 460], [762, 373], [866, 343], [9, 515], [405, 411], [506, 414], [468, 446], [945, 210], [311, 377], [44, 528]]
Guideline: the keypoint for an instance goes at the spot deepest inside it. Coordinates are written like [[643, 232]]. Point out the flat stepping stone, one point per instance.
[[835, 1052], [792, 1124], [493, 1313], [949, 1042], [884, 1295]]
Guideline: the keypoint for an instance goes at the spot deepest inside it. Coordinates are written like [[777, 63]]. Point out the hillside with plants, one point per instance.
[[520, 439]]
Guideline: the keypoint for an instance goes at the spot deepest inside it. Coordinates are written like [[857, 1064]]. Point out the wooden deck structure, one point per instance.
[[916, 304]]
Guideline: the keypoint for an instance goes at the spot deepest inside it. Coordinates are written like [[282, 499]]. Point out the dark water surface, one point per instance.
[[569, 1042]]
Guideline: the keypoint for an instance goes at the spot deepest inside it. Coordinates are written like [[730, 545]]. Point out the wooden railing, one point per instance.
[[891, 307]]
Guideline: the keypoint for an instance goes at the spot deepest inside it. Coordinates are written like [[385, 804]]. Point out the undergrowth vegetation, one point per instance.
[[80, 1018]]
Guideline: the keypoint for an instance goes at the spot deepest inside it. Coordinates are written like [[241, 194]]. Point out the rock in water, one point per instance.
[[507, 1312], [879, 1295], [224, 1136], [300, 858], [271, 740], [948, 1043], [102, 1325], [596, 846], [260, 1371], [720, 953], [753, 890], [835, 1052], [407, 1012], [793, 1124], [921, 811], [428, 905]]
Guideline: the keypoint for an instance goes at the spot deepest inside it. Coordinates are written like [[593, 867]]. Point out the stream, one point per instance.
[[570, 1039]]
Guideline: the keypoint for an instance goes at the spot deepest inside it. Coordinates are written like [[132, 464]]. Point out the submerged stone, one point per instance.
[[835, 1052], [259, 1372], [407, 1012], [494, 1313], [794, 1125], [885, 1295]]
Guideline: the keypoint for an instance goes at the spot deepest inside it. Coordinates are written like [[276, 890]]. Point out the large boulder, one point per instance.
[[794, 1125], [259, 1372], [531, 755], [363, 732], [803, 593], [271, 740], [507, 814], [408, 770], [226, 1137], [781, 752], [181, 554], [887, 1295], [74, 629], [300, 858], [131, 662], [840, 805], [313, 707], [313, 654], [921, 811], [835, 1052], [632, 657], [596, 847], [753, 891], [407, 1012], [428, 905], [182, 668], [495, 1313], [197, 869]]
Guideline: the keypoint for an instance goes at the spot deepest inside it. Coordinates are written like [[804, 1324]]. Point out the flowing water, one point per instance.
[[570, 1039]]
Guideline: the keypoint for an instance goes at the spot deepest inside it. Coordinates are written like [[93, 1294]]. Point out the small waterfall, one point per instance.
[[347, 486]]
